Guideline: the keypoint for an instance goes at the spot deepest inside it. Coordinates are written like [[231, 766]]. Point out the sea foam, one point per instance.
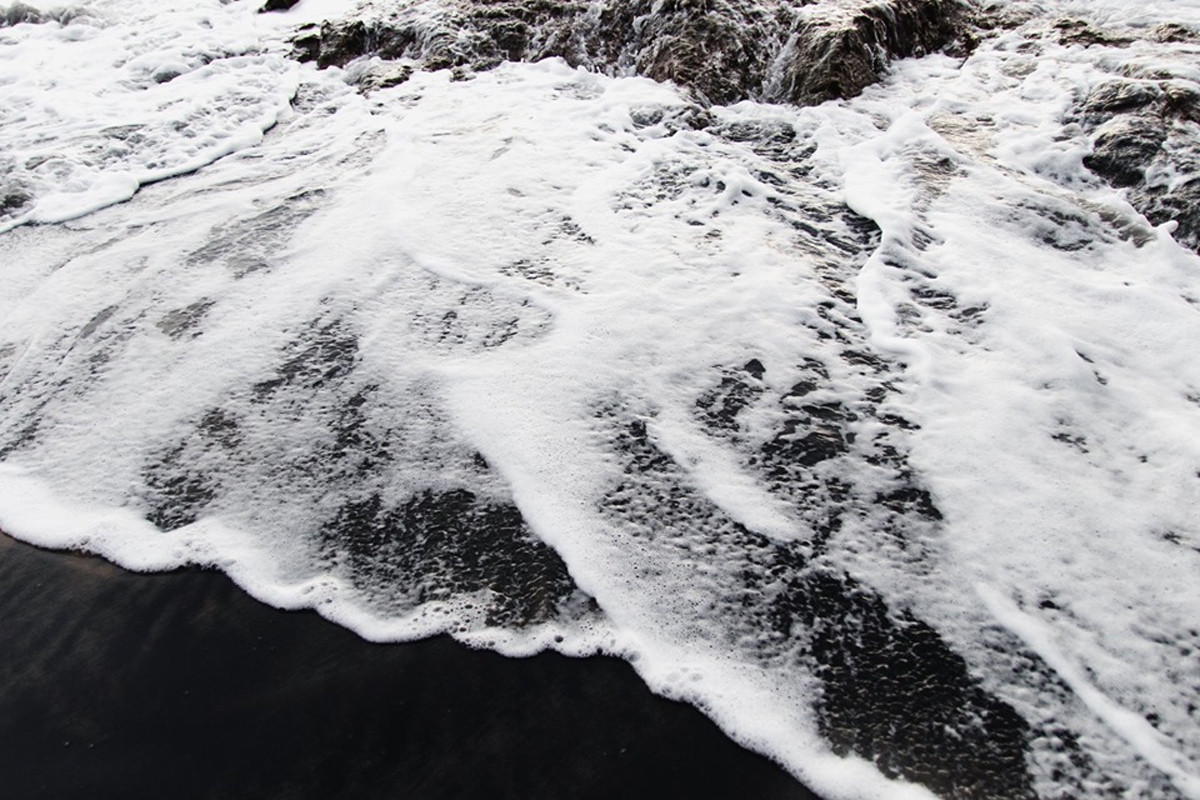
[[803, 411]]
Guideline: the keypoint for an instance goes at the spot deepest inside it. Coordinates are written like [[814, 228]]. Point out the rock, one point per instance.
[[1125, 147], [376, 74], [441, 35], [1145, 138], [1117, 96], [337, 45], [1182, 100], [12, 200], [1001, 15], [839, 54], [1169, 32], [277, 5], [1180, 204], [721, 50], [306, 44], [671, 118], [18, 13], [1077, 31]]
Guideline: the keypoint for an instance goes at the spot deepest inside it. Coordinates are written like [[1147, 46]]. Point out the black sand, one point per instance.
[[119, 685]]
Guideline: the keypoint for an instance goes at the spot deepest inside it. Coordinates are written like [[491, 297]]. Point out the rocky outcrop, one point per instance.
[[277, 5], [840, 52], [721, 50], [1146, 137], [18, 13]]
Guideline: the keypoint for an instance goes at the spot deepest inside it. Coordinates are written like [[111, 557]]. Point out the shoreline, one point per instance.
[[180, 684]]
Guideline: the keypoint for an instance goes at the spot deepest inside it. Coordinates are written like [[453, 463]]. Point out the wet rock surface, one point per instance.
[[839, 53], [12, 200], [1145, 134], [18, 13], [722, 50], [22, 13], [277, 5], [1124, 147]]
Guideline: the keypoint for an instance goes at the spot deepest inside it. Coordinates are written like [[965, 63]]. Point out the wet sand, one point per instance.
[[115, 684]]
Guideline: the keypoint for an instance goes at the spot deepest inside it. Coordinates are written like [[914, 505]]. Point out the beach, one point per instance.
[[827, 365], [118, 684]]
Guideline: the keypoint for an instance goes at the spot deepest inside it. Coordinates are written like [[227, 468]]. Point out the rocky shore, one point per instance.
[[1142, 125], [722, 50]]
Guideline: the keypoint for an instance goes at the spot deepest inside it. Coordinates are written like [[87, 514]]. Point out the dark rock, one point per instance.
[[339, 44], [671, 118], [721, 50], [1125, 147], [705, 50], [1181, 204], [13, 199], [1182, 100], [306, 44], [383, 75], [758, 131], [1144, 126], [1168, 98], [999, 15], [839, 54], [1169, 32], [277, 5], [18, 13], [1119, 95], [1077, 31]]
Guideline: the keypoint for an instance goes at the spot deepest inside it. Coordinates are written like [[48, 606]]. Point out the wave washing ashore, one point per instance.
[[119, 684], [871, 428]]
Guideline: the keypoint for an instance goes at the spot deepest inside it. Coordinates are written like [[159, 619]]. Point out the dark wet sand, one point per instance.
[[120, 685]]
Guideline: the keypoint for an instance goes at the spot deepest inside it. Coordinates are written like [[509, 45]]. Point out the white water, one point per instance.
[[529, 270]]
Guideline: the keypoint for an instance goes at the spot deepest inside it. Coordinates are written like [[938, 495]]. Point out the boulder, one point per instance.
[[1180, 204], [1145, 138], [839, 53], [18, 13], [277, 5], [1125, 147]]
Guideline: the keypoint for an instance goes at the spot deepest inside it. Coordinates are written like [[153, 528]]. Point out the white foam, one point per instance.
[[527, 272], [1133, 728], [1057, 434], [129, 93]]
